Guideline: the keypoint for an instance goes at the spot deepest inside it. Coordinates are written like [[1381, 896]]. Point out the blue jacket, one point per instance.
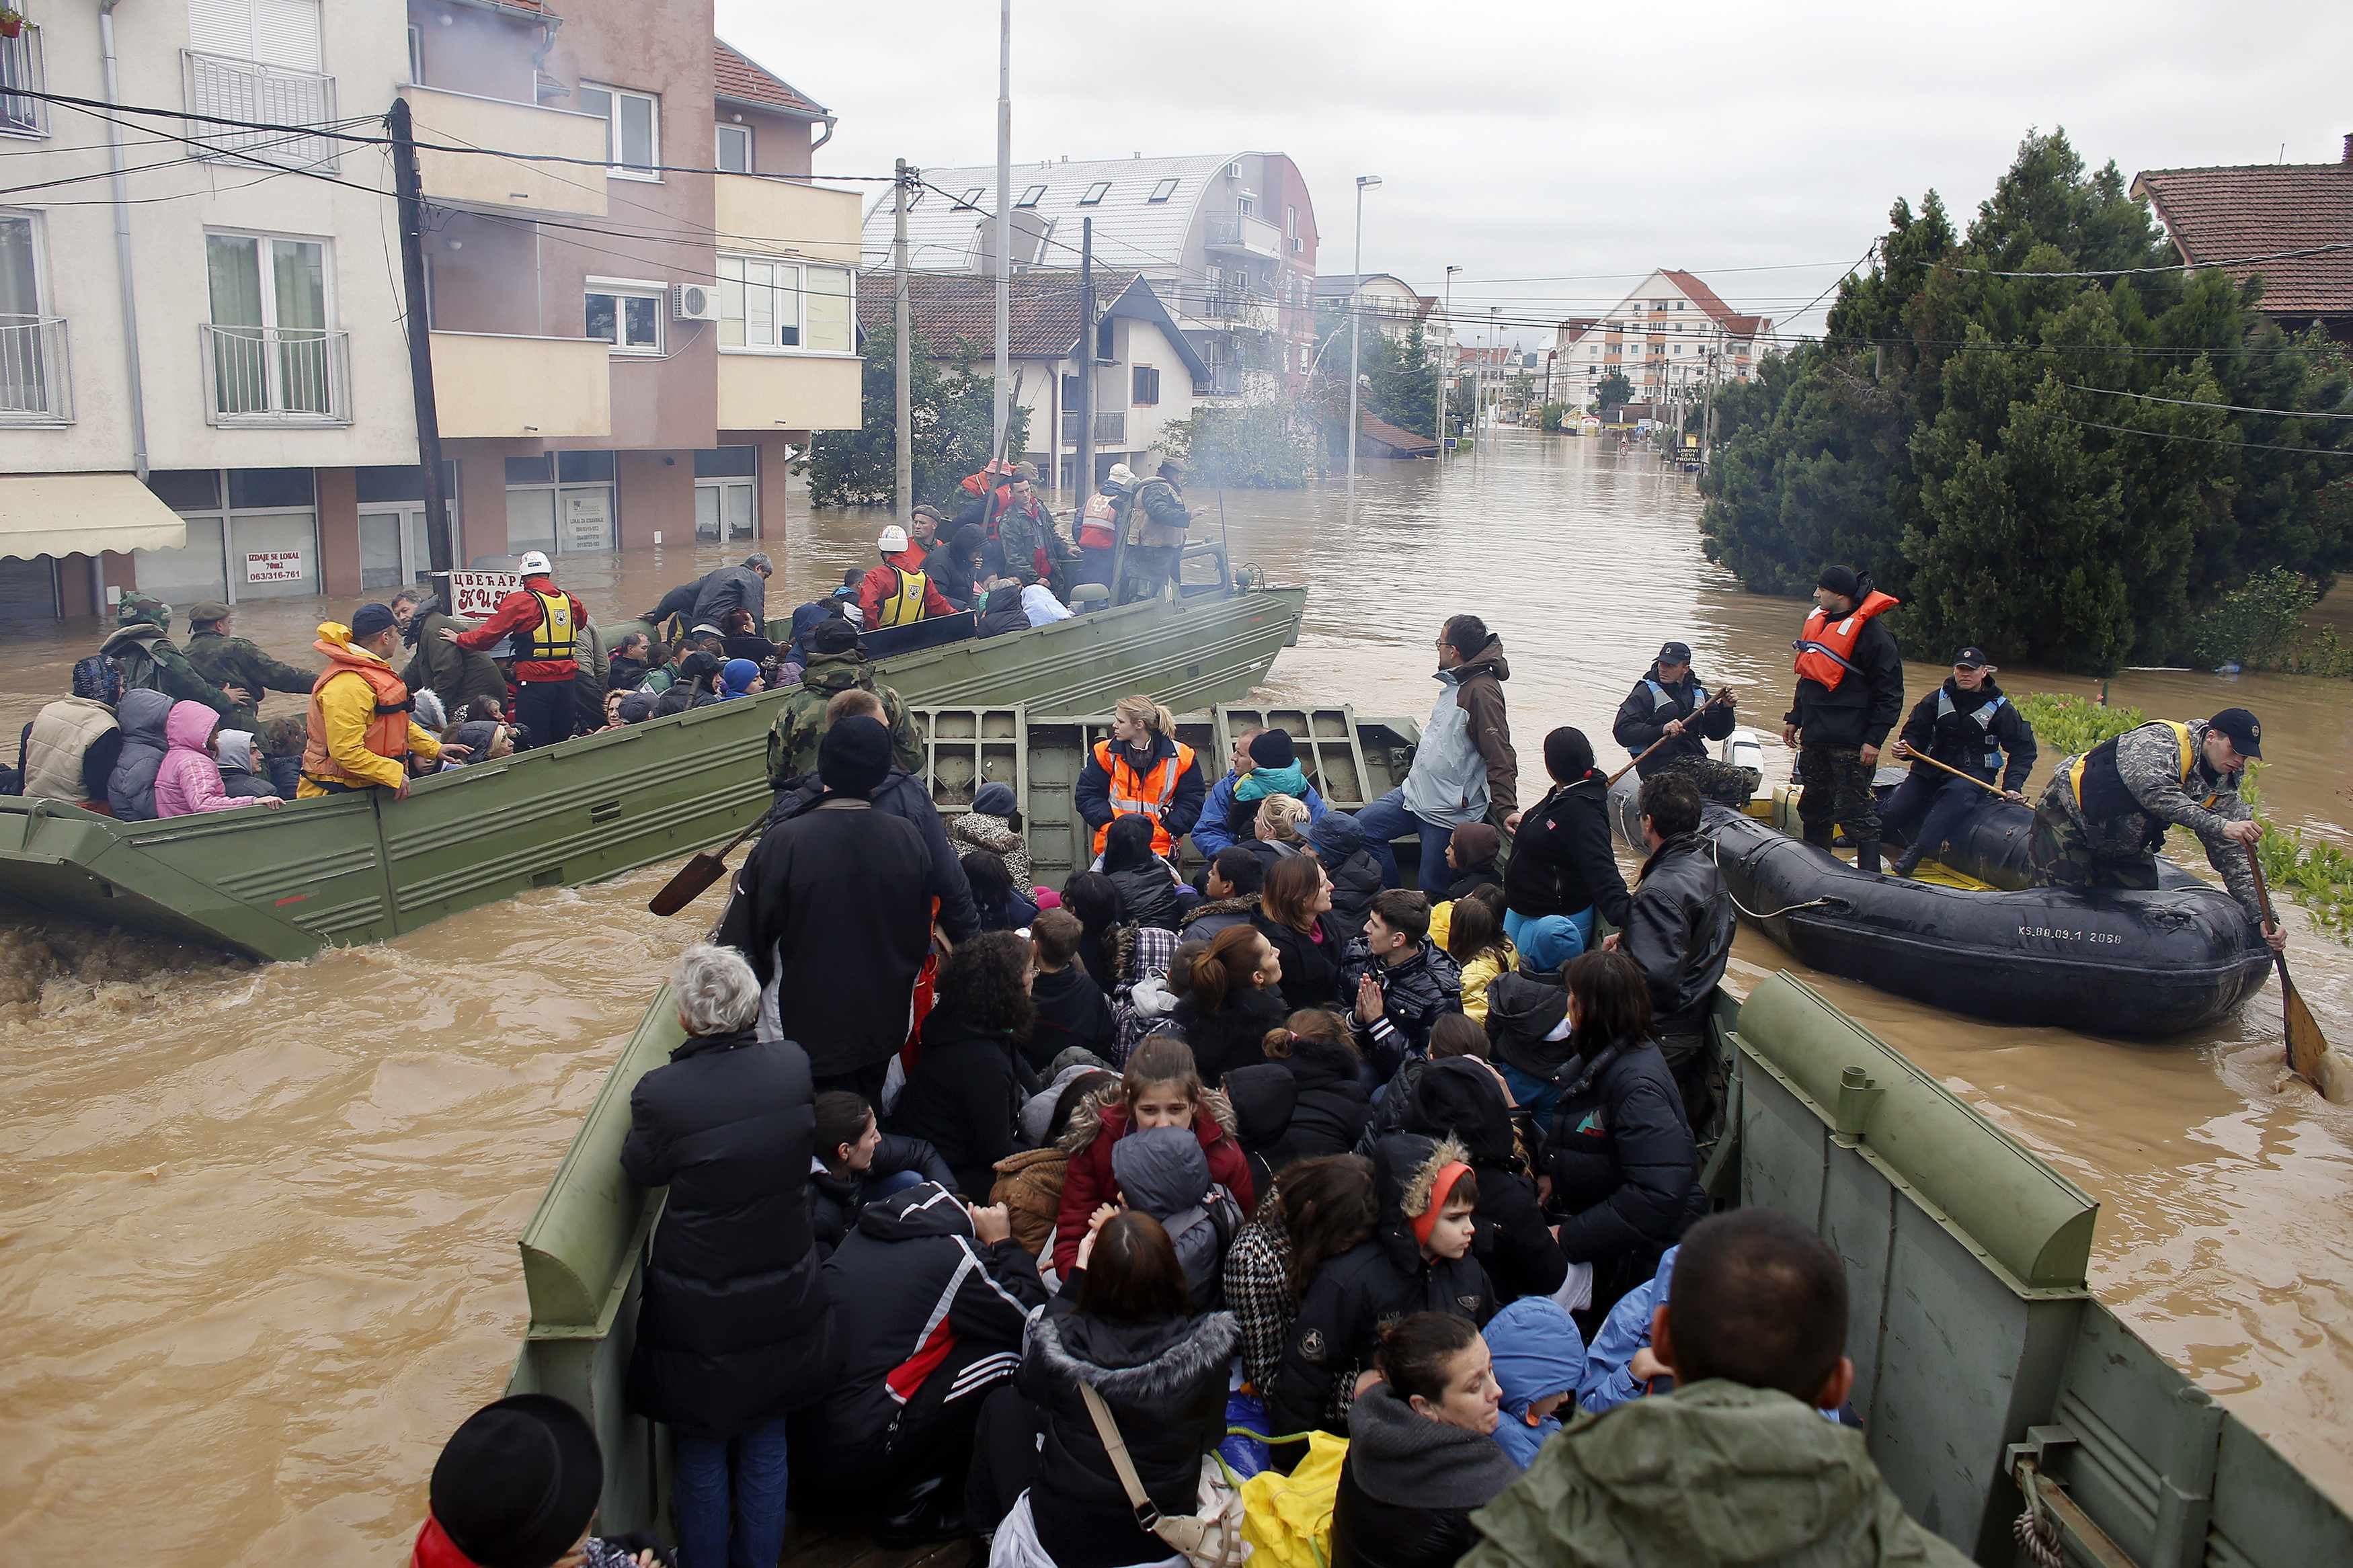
[[1538, 1352], [1212, 832], [1626, 1329]]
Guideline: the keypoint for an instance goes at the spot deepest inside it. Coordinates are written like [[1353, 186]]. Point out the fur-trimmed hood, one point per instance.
[[1098, 1110], [1148, 1363], [1413, 1200], [1246, 906]]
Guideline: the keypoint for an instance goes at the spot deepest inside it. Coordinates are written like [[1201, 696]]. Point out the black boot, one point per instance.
[[1819, 834], [918, 1515], [1866, 856], [1906, 863]]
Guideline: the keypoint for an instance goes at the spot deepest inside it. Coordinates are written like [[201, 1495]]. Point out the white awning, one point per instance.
[[81, 514]]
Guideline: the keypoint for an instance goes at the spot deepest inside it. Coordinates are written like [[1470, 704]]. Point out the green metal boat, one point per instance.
[[1985, 1371], [361, 867]]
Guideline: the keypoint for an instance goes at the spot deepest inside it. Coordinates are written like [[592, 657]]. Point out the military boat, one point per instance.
[[1996, 1394], [357, 869]]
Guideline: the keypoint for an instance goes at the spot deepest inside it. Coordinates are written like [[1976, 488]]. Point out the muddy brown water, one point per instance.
[[256, 1234]]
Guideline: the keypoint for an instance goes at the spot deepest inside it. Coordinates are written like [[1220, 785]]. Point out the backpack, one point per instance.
[[1202, 1236], [100, 678]]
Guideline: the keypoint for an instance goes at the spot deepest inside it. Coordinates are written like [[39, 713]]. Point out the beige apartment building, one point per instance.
[[637, 302]]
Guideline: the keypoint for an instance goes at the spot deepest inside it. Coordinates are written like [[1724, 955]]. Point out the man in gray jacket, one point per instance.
[[1464, 768], [1679, 928]]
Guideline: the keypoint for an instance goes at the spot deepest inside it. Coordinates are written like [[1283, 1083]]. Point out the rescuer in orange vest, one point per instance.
[[1850, 695], [1144, 769], [361, 734]]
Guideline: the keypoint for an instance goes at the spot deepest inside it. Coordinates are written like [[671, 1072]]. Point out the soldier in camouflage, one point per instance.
[[224, 658], [835, 664], [149, 661]]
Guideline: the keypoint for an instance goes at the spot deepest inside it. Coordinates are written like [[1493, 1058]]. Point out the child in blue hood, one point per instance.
[[1539, 1359], [1610, 1368]]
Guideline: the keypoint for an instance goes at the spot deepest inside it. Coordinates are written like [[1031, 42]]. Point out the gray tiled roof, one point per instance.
[[1131, 229]]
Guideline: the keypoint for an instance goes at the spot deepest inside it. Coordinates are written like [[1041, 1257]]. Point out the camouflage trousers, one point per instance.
[[1837, 793], [2064, 855], [1719, 781]]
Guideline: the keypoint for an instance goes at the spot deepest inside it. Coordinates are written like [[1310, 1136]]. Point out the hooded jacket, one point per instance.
[[1214, 829], [1537, 1353], [1311, 1102], [736, 1326], [1382, 1278], [1409, 1484], [344, 710], [1339, 843], [981, 829], [1608, 1379], [69, 749], [950, 567], [1089, 1182], [1465, 764], [187, 780], [240, 771], [1624, 1169], [1164, 1172], [966, 1088], [904, 798], [1001, 613], [1713, 1473], [1461, 1099], [1679, 928], [923, 1297], [1524, 1011], [1428, 984], [1561, 860], [1955, 737], [131, 788], [1651, 706], [150, 662], [1205, 921]]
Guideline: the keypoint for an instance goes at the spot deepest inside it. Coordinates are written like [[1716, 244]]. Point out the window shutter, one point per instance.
[[221, 27], [286, 34]]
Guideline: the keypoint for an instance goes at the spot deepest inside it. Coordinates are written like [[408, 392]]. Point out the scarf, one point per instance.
[[435, 1548], [1260, 783]]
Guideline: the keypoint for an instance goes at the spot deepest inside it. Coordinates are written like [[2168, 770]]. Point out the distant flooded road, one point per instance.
[[260, 1222]]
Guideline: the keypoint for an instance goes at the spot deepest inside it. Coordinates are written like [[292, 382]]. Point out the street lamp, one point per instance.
[[1446, 370], [1356, 294]]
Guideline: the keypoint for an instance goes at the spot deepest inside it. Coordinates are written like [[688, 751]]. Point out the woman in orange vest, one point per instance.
[[361, 734], [1850, 695], [1142, 770]]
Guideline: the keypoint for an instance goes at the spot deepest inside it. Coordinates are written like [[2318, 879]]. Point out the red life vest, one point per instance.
[[1150, 795], [1826, 647], [1095, 523]]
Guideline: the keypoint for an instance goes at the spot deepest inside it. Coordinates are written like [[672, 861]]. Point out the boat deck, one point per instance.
[[836, 1544]]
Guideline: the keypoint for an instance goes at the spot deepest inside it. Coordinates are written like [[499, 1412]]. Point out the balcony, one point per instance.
[[1246, 236], [762, 214], [36, 373], [788, 392], [488, 384], [469, 179], [242, 90], [273, 376], [1111, 428]]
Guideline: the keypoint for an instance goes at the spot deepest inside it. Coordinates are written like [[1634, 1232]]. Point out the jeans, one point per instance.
[[1557, 939], [1388, 817], [729, 1496], [874, 1187], [1536, 1096], [1927, 813]]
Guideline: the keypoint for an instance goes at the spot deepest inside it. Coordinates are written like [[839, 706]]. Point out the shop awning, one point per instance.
[[81, 514]]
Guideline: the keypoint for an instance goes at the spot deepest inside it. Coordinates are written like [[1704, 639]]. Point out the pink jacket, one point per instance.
[[189, 780]]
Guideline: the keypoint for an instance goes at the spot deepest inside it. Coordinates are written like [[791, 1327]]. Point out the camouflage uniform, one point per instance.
[[237, 661], [148, 661], [2069, 851], [793, 738], [1837, 794]]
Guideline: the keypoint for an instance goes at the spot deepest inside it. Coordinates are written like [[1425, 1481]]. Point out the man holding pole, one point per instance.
[[1667, 720], [1967, 725]]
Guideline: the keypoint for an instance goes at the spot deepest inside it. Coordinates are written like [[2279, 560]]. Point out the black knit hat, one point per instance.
[[517, 1484], [833, 634], [855, 756], [1840, 580], [372, 620], [1273, 749]]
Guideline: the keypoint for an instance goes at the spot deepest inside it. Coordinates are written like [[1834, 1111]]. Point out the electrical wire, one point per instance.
[[2210, 440], [2226, 407]]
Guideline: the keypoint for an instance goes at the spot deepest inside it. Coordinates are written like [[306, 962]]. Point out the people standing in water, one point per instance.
[[1967, 724], [1850, 694]]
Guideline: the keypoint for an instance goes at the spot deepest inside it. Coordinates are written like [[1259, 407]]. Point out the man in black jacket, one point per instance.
[[1965, 723], [1564, 871], [858, 1162], [710, 596], [832, 910], [1679, 928], [1671, 710], [1850, 694]]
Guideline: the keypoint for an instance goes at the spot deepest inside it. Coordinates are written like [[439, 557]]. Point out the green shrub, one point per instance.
[[2065, 724], [1249, 446]]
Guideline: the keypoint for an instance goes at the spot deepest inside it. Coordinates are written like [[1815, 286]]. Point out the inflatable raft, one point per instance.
[[2142, 965]]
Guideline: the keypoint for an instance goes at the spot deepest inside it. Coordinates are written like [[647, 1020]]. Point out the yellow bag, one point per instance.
[[1287, 1520]]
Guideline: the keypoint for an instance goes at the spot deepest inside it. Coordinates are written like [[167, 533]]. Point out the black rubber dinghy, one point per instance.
[[2141, 965]]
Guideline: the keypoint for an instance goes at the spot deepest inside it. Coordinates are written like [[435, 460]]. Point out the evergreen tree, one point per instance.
[[952, 413]]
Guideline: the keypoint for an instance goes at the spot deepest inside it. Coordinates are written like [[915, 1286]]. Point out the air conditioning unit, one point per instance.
[[695, 302]]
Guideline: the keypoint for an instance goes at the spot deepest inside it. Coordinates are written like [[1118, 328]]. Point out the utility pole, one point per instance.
[[1086, 486], [1707, 414], [902, 395], [1446, 372], [1356, 318], [421, 340], [1003, 227]]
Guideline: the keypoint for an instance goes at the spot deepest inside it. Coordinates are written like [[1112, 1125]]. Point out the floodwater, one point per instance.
[[257, 1233]]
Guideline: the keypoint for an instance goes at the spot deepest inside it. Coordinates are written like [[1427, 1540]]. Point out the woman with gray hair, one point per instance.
[[736, 1327]]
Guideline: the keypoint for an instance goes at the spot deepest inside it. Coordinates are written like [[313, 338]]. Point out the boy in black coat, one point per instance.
[[1462, 1098], [1397, 981]]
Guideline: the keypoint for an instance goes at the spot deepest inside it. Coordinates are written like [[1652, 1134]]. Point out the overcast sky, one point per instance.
[[1536, 145]]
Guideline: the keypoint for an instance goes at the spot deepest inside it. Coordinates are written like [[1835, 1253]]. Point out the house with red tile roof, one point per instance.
[[2289, 226]]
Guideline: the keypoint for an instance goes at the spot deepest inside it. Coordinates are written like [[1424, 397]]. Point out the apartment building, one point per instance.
[[1668, 336], [1389, 303], [1227, 239], [636, 299]]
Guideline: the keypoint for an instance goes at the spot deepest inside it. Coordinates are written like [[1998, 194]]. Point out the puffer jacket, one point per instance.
[[1029, 1186], [1715, 1472], [1148, 895], [1461, 1099], [1356, 875], [1679, 928], [836, 1202], [1464, 764], [1562, 861], [1538, 1353], [1417, 992], [1203, 922], [1624, 1169], [188, 781], [1319, 1105], [131, 788], [1090, 1183], [1524, 1011], [1232, 1036], [1409, 1484], [1165, 1382], [1215, 830], [71, 749], [1163, 1171]]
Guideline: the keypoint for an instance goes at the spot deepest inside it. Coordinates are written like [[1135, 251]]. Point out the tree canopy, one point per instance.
[[952, 412]]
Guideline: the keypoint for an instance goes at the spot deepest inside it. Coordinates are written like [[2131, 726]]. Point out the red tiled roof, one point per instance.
[[1389, 434], [737, 75], [2217, 214], [1043, 309], [1705, 298], [1745, 326]]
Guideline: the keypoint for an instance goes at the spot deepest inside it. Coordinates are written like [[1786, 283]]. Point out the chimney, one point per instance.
[[2349, 147]]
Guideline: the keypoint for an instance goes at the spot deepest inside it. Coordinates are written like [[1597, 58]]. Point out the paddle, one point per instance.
[[1912, 756], [1720, 697], [2307, 1049], [699, 872]]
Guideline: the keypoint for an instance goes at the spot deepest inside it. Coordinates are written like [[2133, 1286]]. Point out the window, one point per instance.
[[272, 350], [970, 199], [770, 305], [1679, 304], [626, 314], [32, 347], [1291, 221], [1163, 191], [1096, 193], [1144, 389], [733, 147], [417, 56], [283, 34], [1030, 197], [1106, 351], [633, 129]]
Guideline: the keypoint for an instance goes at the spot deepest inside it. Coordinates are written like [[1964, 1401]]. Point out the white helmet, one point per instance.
[[893, 540], [533, 561]]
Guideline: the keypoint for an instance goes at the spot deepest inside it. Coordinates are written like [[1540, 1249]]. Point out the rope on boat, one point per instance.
[[1716, 853]]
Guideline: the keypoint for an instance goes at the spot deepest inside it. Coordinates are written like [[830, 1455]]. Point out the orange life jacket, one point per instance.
[[1151, 795], [1826, 647], [388, 733]]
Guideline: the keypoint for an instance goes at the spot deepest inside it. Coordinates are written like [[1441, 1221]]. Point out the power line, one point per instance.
[[2210, 440], [2177, 267], [2226, 407]]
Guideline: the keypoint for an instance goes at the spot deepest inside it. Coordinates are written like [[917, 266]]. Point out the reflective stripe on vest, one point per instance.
[[1826, 647], [1661, 698], [2098, 784], [1984, 716], [553, 637], [906, 604], [1150, 795]]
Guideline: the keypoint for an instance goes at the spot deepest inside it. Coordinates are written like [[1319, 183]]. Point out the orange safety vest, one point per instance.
[[388, 733], [1826, 647], [1150, 795]]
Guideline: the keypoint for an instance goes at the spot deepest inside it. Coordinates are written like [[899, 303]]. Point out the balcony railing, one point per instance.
[[36, 373], [276, 375], [242, 90], [1254, 235], [1111, 428]]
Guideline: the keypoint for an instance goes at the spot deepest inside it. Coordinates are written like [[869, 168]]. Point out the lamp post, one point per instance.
[[1356, 294], [1446, 369]]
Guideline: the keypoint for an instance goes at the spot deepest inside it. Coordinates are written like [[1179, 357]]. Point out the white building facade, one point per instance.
[[1670, 337]]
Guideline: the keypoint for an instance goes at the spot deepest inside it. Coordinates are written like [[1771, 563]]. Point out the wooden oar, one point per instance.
[[1663, 740], [2306, 1048], [699, 872], [1942, 768]]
